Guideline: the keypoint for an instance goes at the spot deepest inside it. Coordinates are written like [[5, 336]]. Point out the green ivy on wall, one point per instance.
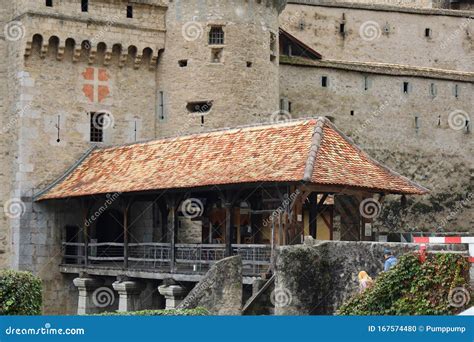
[[437, 286], [20, 293]]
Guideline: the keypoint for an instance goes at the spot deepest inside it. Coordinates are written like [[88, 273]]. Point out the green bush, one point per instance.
[[416, 288], [176, 312], [20, 293]]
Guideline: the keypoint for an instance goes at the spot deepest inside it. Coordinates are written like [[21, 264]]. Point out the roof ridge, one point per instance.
[[373, 160], [237, 129], [315, 146]]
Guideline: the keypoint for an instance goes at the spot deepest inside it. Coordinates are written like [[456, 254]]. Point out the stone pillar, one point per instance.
[[129, 295], [86, 287], [174, 294]]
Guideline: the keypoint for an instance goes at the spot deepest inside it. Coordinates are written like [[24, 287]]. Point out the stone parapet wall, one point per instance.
[[315, 279], [220, 291]]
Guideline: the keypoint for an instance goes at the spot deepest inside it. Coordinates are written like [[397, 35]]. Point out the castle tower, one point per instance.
[[77, 75], [220, 64]]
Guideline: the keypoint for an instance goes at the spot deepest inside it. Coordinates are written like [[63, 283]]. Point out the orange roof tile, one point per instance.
[[283, 152]]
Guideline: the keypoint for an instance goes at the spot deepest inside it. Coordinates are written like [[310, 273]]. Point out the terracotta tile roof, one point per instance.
[[271, 153]]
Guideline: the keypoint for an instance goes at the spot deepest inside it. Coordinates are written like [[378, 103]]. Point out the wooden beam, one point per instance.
[[86, 208], [336, 189], [172, 226], [126, 210], [313, 215], [229, 223]]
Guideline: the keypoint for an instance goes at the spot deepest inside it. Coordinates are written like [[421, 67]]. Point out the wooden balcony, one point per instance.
[[157, 257]]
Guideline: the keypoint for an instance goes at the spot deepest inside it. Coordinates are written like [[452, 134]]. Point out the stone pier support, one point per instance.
[[129, 295], [86, 287], [174, 295]]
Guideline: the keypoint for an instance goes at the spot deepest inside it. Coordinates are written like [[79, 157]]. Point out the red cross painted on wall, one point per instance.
[[96, 84]]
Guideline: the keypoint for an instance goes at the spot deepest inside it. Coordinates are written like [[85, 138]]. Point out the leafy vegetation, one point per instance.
[[437, 286], [20, 293], [176, 312]]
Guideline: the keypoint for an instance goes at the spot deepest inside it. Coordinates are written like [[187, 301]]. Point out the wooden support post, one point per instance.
[[86, 206], [125, 236], [172, 226], [313, 215], [229, 225]]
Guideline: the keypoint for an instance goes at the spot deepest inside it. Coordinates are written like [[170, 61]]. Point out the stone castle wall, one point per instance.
[[53, 84], [241, 87], [385, 35], [383, 120], [6, 137]]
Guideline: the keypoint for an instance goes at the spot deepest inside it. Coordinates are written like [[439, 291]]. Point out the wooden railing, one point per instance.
[[189, 258]]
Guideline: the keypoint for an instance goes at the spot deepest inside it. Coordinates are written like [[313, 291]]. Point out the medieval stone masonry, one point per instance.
[[396, 76]]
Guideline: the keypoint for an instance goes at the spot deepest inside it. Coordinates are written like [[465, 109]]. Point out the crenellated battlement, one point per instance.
[[74, 50]]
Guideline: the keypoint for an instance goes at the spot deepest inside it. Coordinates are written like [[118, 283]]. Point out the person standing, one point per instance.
[[390, 260]]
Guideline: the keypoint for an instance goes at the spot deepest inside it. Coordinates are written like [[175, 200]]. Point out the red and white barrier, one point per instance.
[[449, 240]]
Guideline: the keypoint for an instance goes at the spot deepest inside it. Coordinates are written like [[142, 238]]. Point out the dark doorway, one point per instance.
[[110, 227]]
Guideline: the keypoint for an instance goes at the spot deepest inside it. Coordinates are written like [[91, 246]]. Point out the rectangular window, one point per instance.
[[216, 35], [285, 105], [273, 46], [433, 89], [161, 105], [324, 81], [427, 32], [366, 82], [406, 87], [97, 127], [85, 5], [129, 11], [456, 91], [342, 28], [49, 3]]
